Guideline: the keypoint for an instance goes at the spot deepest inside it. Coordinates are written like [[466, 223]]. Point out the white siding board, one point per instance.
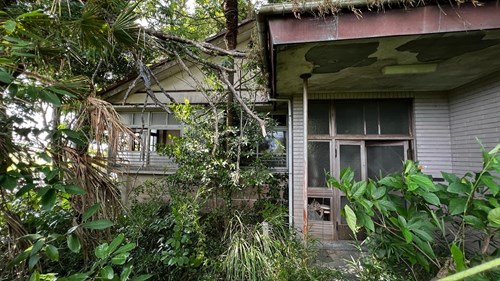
[[474, 113], [432, 132], [298, 162]]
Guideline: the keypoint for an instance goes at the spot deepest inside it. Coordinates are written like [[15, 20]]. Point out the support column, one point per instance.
[[305, 78]]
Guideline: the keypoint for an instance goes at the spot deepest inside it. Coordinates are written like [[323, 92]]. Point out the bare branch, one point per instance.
[[143, 73], [262, 124], [202, 90], [205, 47]]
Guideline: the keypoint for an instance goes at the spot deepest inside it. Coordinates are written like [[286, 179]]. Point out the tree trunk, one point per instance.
[[231, 40]]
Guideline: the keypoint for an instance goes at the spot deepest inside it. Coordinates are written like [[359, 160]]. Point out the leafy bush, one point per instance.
[[402, 213]]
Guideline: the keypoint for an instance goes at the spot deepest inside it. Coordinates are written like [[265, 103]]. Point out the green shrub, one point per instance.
[[407, 217]]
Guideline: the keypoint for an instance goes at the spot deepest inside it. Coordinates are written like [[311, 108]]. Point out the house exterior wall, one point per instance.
[[432, 143], [298, 161], [474, 113], [432, 132]]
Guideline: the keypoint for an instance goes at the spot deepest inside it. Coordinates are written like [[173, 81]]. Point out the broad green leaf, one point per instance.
[[75, 277], [5, 77], [97, 224], [8, 181], [52, 252], [481, 205], [50, 97], [431, 198], [107, 272], [120, 259], [457, 206], [74, 189], [378, 192], [423, 234], [351, 218], [425, 247], [125, 248], [35, 276], [142, 277], [402, 221], [450, 178], [31, 237], [392, 181], [33, 261], [101, 251], [9, 26], [116, 242], [494, 202], [387, 204], [73, 243], [423, 181], [25, 189], [346, 175], [458, 188], [366, 221], [407, 235], [474, 221], [37, 247], [91, 211], [494, 217], [358, 189], [48, 199], [458, 257], [491, 184], [126, 273]]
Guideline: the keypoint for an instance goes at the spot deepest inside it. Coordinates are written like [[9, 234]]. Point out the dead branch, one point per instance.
[[262, 124], [205, 47], [143, 73], [201, 89]]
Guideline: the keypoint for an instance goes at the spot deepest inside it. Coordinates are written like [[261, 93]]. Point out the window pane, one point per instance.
[[371, 118], [318, 158], [172, 120], [318, 121], [350, 156], [159, 118], [275, 144], [394, 117], [384, 160], [138, 118], [159, 138], [349, 118], [126, 118], [319, 209]]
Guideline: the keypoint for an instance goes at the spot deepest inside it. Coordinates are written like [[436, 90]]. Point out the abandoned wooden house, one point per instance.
[[420, 83]]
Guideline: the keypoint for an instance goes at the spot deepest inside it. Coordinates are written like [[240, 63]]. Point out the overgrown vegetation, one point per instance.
[[431, 229]]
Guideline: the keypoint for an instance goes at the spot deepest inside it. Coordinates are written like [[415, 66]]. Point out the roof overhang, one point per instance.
[[342, 48]]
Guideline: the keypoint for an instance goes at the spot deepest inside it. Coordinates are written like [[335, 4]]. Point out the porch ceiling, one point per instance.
[[357, 65]]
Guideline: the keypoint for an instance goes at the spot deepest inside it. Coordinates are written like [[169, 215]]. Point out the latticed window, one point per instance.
[[371, 137]]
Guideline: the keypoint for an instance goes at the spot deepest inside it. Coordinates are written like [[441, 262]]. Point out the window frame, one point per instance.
[[145, 151], [336, 140]]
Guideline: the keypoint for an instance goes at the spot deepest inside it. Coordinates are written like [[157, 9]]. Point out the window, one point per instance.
[[273, 150], [152, 130], [371, 137]]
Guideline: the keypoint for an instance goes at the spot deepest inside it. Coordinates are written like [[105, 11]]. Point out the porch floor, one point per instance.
[[336, 254]]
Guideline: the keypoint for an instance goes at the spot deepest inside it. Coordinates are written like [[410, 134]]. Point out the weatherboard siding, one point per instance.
[[432, 132], [474, 113], [298, 161]]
